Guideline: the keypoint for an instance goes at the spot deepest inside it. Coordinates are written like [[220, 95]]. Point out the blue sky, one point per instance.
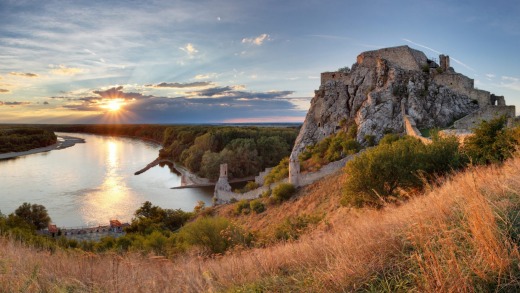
[[227, 61]]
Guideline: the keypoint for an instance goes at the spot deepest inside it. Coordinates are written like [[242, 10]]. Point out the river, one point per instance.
[[90, 183]]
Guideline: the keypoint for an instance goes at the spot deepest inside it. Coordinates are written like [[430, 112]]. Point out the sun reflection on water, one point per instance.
[[113, 195]]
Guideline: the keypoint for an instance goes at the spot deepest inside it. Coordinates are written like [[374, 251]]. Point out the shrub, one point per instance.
[[216, 235], [283, 192], [242, 207], [370, 140], [345, 69], [278, 173], [149, 218], [293, 227], [257, 206], [251, 185], [491, 142], [389, 138], [330, 149], [380, 172], [33, 214]]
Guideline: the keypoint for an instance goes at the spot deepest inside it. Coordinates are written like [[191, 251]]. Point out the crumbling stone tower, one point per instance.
[[294, 170], [223, 183], [445, 62]]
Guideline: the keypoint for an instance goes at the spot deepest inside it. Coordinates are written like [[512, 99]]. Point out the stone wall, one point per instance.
[[261, 176], [335, 76], [463, 85], [488, 113], [226, 196], [403, 56], [411, 129], [329, 169]]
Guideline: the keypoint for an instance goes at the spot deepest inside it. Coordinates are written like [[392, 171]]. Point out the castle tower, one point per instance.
[[222, 183], [223, 171], [444, 61], [294, 170]]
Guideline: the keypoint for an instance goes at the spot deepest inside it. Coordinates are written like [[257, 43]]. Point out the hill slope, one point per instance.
[[460, 236]]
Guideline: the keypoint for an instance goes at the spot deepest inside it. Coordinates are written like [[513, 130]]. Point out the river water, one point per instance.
[[90, 183]]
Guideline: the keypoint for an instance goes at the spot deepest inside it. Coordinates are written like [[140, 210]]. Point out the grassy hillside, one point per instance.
[[460, 236]]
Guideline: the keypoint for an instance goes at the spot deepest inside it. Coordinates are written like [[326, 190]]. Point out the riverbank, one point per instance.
[[188, 179], [65, 142]]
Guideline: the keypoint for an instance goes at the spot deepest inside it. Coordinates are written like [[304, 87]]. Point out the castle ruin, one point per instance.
[[404, 57]]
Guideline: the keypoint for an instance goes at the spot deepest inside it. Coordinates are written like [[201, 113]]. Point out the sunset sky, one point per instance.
[[227, 61]]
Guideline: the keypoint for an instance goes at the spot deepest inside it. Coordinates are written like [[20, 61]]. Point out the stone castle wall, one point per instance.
[[226, 196], [411, 129], [404, 56], [488, 113], [463, 85], [261, 176], [335, 76]]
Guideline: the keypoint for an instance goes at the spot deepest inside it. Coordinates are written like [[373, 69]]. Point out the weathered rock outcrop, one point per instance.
[[384, 85]]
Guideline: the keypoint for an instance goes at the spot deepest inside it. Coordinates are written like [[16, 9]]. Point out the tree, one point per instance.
[[149, 218], [345, 69], [403, 164], [33, 214], [491, 142]]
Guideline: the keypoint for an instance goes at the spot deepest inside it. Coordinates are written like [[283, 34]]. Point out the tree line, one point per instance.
[[24, 139], [202, 148]]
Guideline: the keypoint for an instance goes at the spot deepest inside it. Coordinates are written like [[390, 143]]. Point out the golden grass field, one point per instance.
[[456, 237]]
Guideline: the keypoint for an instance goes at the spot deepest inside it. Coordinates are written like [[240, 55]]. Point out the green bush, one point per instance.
[[242, 207], [330, 149], [251, 185], [293, 227], [278, 173], [382, 171], [149, 218], [33, 214], [389, 138], [370, 140], [257, 206], [492, 142], [216, 235], [283, 192]]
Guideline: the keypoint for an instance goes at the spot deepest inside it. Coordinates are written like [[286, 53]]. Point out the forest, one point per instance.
[[202, 148], [22, 139]]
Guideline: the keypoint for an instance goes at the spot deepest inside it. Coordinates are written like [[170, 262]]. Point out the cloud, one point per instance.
[[211, 91], [208, 105], [181, 85], [189, 49], [4, 91], [510, 82], [46, 103], [12, 104], [509, 78], [63, 70], [490, 75], [117, 93], [27, 74], [256, 40], [206, 76]]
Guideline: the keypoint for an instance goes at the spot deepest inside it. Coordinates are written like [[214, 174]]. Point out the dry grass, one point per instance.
[[454, 238]]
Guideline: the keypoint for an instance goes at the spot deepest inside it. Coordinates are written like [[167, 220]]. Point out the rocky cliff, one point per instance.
[[382, 86]]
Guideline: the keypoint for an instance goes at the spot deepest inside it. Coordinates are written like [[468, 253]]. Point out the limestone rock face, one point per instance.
[[381, 85]]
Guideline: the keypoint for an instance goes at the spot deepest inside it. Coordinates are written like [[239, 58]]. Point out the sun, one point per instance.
[[114, 106]]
